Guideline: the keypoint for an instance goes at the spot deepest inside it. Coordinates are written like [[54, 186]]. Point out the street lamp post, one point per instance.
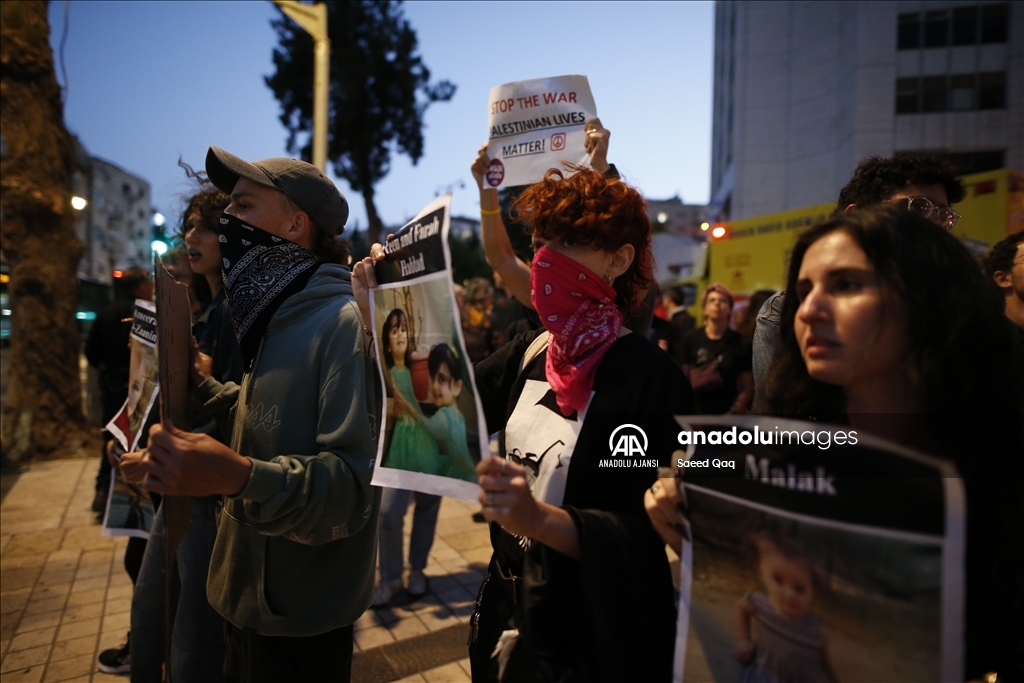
[[313, 18]]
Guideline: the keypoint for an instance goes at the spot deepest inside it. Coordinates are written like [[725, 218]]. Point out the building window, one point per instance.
[[933, 94], [961, 93], [992, 91], [908, 36], [907, 97], [936, 28], [965, 25], [994, 19]]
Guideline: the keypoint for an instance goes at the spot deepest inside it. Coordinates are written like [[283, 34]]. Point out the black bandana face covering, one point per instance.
[[260, 271]]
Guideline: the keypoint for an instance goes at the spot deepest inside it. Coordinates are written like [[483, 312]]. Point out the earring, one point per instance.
[[608, 279]]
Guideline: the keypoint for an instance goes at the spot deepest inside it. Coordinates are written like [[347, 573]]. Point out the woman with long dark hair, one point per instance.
[[893, 330], [197, 638]]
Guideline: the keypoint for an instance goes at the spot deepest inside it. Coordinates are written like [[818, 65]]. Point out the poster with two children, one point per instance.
[[434, 432]]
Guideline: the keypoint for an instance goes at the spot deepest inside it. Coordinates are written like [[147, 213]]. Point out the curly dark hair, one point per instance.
[[876, 179], [1000, 258], [206, 206], [961, 347], [591, 209]]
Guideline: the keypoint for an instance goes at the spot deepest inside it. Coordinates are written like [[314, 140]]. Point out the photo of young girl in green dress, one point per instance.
[[431, 426]]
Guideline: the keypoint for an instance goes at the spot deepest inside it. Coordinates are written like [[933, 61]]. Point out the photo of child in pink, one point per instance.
[[780, 639]]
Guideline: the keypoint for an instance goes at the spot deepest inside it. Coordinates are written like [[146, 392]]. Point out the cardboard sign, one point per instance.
[[434, 430], [536, 125]]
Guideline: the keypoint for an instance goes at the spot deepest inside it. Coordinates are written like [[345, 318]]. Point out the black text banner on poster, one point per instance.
[[416, 250], [828, 482], [144, 325], [535, 125]]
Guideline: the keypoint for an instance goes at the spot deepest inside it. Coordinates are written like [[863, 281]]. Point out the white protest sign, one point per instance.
[[535, 125]]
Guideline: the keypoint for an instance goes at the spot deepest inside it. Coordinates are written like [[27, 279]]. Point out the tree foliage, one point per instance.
[[42, 412], [379, 91]]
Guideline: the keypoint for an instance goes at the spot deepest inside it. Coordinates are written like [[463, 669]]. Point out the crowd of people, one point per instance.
[[886, 323]]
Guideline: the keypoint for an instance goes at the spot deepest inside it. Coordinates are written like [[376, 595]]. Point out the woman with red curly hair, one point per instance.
[[578, 586]]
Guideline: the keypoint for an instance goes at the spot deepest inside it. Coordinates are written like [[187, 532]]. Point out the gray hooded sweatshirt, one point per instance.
[[296, 550]]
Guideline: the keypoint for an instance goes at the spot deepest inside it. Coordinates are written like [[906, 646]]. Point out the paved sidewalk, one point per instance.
[[65, 597]]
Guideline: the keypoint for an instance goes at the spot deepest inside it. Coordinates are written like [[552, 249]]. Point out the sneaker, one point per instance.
[[384, 591], [417, 583], [116, 660]]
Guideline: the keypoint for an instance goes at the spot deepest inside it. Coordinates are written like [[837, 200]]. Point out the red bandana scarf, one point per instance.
[[578, 309]]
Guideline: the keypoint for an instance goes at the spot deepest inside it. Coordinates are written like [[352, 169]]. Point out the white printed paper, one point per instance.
[[534, 126]]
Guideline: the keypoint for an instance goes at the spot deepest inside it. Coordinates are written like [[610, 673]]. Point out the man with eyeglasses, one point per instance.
[[920, 183]]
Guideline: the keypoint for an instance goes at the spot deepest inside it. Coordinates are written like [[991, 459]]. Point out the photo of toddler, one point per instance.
[[448, 425], [780, 638]]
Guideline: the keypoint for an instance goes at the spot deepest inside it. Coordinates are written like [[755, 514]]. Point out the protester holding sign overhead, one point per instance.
[[514, 271], [871, 337]]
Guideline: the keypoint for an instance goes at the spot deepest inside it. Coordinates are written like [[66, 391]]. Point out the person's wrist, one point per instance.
[[241, 473], [538, 521]]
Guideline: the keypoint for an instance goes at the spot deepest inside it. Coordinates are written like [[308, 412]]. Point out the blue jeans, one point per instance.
[[393, 504], [197, 638]]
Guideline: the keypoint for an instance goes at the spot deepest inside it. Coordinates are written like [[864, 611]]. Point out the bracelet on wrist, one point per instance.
[[490, 212]]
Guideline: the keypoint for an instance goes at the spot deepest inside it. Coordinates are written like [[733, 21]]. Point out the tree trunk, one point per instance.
[[376, 227], [42, 412]]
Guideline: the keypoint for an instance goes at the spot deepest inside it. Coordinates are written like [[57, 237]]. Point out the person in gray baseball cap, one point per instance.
[[294, 559]]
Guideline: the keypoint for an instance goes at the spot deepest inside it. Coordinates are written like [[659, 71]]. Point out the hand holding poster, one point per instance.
[[434, 432], [818, 554], [536, 125], [130, 510]]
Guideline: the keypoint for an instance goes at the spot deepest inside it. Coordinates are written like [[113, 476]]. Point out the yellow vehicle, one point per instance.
[[753, 253]]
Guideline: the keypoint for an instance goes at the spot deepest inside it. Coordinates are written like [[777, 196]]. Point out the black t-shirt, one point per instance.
[[107, 348], [735, 357], [215, 336], [568, 466]]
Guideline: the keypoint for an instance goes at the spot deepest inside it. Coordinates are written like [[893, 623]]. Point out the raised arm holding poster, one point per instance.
[[536, 125], [130, 510], [818, 554], [434, 432]]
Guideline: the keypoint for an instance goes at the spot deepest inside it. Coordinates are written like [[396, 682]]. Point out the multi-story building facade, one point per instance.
[[805, 90], [115, 225]]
